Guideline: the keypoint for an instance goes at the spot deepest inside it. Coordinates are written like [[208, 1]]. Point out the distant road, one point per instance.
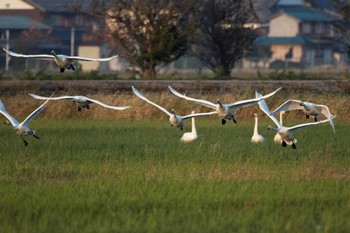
[[110, 86]]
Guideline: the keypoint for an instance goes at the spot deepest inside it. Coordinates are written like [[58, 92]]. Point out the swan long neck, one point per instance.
[[256, 126], [281, 118], [193, 126]]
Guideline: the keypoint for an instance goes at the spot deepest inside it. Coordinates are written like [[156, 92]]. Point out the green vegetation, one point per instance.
[[136, 176]]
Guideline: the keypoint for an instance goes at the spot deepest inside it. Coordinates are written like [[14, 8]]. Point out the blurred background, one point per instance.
[[188, 37]]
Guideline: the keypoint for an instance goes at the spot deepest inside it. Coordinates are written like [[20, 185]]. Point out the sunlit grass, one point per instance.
[[136, 176]]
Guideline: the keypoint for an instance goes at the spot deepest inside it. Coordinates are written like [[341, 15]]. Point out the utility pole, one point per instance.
[[72, 40], [7, 33]]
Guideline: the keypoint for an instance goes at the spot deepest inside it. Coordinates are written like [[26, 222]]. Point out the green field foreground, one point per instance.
[[136, 176]]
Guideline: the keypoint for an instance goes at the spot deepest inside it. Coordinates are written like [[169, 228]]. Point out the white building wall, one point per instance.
[[284, 26], [15, 5]]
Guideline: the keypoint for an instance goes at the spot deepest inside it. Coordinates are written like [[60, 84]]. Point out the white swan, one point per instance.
[[225, 111], [63, 61], [286, 133], [22, 129], [256, 138], [82, 101], [277, 139], [190, 136], [310, 109], [175, 120]]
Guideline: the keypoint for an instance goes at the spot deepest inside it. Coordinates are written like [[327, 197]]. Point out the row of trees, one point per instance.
[[153, 33]]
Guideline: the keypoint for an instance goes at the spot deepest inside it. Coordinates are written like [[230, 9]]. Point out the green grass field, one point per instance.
[[136, 176]]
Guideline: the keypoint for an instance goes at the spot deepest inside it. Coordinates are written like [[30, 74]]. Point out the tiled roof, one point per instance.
[[61, 5], [306, 14], [297, 40], [20, 22]]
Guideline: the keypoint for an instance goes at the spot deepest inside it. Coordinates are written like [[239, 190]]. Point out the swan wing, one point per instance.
[[3, 111], [197, 115], [288, 105], [147, 100], [52, 98], [202, 102], [40, 56], [249, 102], [106, 105], [272, 93], [263, 106], [34, 114], [301, 126], [75, 58], [325, 111]]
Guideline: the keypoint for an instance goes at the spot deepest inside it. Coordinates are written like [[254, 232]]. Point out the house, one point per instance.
[[301, 36]]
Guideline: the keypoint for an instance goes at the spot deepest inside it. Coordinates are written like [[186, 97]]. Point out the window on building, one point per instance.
[[319, 28], [306, 28]]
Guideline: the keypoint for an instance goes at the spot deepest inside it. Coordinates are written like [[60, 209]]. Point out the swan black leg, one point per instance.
[[87, 106], [79, 109], [294, 146], [24, 141], [72, 67], [62, 70], [307, 116], [315, 119], [284, 144], [36, 136], [234, 121], [223, 121]]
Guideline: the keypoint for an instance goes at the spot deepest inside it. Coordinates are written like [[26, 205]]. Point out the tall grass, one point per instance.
[[20, 105], [136, 176]]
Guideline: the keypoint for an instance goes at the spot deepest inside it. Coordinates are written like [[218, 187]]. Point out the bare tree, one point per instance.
[[147, 33], [343, 6], [223, 33]]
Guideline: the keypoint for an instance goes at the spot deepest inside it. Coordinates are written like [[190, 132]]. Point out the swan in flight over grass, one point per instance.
[[175, 120], [82, 101], [63, 61], [310, 109], [190, 136], [22, 129], [277, 139], [256, 138], [286, 133], [225, 111]]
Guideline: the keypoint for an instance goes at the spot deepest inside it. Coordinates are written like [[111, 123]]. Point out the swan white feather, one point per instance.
[[286, 133], [225, 111], [63, 61], [22, 129], [256, 138], [174, 119], [190, 136], [82, 101], [310, 109]]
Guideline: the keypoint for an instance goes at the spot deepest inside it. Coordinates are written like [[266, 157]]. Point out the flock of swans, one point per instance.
[[284, 135]]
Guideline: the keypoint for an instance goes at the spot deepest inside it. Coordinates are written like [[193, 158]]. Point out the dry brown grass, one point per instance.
[[20, 104]]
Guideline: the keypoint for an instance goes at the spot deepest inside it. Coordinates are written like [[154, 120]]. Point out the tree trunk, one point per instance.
[[149, 72]]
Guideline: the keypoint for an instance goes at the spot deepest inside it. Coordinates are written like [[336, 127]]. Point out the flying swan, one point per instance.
[[63, 61], [81, 101], [174, 119], [22, 129], [286, 133], [225, 111], [256, 138], [310, 110], [190, 136]]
